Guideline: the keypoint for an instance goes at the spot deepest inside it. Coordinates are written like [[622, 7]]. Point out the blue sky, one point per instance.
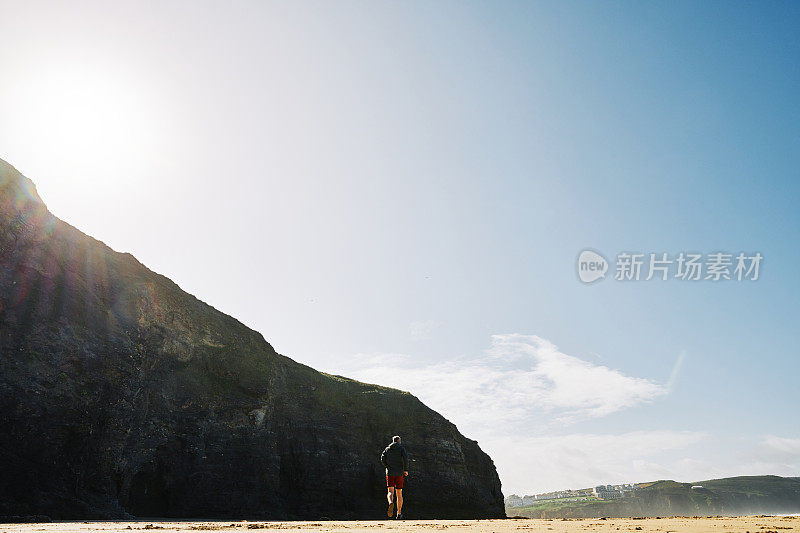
[[398, 192]]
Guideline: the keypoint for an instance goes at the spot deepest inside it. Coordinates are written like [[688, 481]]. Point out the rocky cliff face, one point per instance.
[[121, 394]]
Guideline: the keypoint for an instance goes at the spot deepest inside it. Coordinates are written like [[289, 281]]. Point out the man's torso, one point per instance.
[[394, 459]]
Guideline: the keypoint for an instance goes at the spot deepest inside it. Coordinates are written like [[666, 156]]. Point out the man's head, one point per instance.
[[396, 439]]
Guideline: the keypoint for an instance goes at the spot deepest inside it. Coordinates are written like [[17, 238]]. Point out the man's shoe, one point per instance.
[[390, 512], [400, 516]]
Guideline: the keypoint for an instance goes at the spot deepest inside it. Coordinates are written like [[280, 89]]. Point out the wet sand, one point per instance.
[[745, 524]]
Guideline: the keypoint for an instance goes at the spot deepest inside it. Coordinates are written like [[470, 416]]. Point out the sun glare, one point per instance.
[[80, 113]]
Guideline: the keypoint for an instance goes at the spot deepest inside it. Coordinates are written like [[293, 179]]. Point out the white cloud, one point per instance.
[[579, 460], [509, 396], [521, 378], [773, 455], [676, 369], [520, 396], [787, 447], [567, 383]]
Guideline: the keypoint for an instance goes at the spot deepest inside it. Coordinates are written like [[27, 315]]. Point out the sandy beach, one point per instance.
[[745, 524]]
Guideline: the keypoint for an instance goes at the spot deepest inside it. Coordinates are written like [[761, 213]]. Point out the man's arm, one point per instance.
[[383, 459], [405, 461]]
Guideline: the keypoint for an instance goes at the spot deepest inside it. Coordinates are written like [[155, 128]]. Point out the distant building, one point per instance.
[[513, 501], [605, 492], [611, 492]]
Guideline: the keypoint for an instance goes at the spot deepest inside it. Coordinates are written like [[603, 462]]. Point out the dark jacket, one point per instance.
[[395, 459]]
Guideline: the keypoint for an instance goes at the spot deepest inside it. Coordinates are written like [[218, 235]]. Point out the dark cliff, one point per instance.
[[121, 394]]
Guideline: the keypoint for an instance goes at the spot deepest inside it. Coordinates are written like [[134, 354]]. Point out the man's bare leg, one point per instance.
[[399, 501], [390, 498]]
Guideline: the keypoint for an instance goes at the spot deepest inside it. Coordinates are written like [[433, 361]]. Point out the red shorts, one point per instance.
[[394, 481]]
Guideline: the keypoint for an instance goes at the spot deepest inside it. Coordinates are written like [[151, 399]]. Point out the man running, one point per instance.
[[395, 459]]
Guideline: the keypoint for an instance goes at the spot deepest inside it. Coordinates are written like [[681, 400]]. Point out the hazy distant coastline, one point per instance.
[[744, 495]]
